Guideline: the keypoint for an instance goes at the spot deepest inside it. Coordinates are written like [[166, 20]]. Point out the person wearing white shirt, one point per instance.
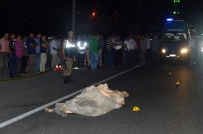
[[53, 52], [118, 49], [144, 46], [133, 48], [127, 51]]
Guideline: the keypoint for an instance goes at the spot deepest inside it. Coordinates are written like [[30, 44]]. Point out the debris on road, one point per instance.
[[93, 101]]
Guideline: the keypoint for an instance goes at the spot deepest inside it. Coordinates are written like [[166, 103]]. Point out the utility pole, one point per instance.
[[139, 4], [73, 18]]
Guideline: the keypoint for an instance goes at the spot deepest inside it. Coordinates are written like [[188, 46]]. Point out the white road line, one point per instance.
[[15, 119]]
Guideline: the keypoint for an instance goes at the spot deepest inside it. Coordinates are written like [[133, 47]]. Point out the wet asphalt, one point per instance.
[[165, 107]]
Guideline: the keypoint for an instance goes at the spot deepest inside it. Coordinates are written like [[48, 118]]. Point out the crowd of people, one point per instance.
[[37, 53]]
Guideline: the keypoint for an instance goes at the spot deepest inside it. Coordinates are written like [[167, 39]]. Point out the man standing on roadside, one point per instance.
[[54, 52], [155, 46], [37, 56], [94, 52], [4, 54], [69, 51], [31, 44], [12, 57]]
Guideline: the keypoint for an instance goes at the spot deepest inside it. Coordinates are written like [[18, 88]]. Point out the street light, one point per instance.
[[93, 14]]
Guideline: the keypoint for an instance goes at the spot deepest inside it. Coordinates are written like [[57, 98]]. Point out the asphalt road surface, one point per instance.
[[164, 107]]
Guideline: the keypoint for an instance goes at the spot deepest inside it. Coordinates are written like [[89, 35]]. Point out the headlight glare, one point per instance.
[[184, 51], [163, 50]]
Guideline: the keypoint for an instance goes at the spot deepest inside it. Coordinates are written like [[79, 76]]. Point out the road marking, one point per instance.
[[22, 116]]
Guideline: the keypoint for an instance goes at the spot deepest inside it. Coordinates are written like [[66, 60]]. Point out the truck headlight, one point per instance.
[[78, 43], [85, 44], [184, 51], [163, 50]]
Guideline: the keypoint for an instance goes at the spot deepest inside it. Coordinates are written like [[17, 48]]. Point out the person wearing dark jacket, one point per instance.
[[31, 44]]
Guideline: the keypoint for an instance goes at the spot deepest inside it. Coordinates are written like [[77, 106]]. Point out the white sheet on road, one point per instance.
[[93, 101]]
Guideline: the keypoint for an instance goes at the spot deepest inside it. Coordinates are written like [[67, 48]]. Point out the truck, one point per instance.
[[175, 38]]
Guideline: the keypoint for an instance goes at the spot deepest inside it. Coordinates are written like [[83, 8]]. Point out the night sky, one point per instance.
[[119, 16]]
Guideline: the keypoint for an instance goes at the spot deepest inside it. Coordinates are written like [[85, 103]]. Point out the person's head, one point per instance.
[[31, 35], [39, 36], [19, 37], [6, 35], [70, 34], [54, 38], [12, 36], [44, 37], [156, 36]]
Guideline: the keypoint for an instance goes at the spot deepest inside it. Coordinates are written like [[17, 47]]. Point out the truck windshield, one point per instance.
[[175, 37]]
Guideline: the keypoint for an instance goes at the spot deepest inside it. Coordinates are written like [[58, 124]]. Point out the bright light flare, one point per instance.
[[184, 51], [93, 14], [163, 51], [169, 19]]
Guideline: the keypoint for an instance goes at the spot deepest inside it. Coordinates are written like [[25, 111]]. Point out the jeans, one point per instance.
[[127, 57], [12, 65], [81, 59], [19, 65], [109, 57], [37, 63], [31, 63], [94, 61], [118, 57], [155, 57], [100, 57], [4, 65]]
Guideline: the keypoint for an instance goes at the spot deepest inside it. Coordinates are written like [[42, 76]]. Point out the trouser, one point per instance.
[[12, 65], [143, 58], [127, 57], [19, 65], [109, 57], [54, 60], [94, 61], [100, 57], [81, 59], [88, 58], [37, 63], [155, 57], [133, 57], [24, 63], [118, 57], [43, 60], [4, 65], [68, 67], [31, 63]]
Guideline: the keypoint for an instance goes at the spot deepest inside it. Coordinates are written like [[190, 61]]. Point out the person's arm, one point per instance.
[[0, 44], [9, 51], [63, 52], [44, 45]]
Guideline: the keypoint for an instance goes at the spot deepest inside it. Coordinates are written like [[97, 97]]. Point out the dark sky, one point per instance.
[[54, 16]]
